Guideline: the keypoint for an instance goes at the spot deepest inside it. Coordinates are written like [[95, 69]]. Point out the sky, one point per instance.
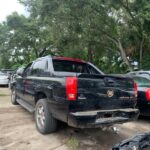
[[9, 6]]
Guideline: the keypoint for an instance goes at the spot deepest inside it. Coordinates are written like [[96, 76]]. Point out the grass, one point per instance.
[[73, 143], [2, 94]]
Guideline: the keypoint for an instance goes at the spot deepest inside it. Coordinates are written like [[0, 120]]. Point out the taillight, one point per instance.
[[148, 94], [135, 89], [71, 88]]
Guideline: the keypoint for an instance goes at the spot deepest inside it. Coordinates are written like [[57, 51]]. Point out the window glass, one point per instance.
[[38, 68], [142, 81], [69, 66], [27, 70], [92, 70]]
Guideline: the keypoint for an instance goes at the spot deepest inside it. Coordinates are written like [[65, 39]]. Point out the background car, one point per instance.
[[143, 100], [141, 73], [4, 78]]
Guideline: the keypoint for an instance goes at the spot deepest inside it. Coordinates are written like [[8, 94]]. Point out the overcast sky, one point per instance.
[[9, 6]]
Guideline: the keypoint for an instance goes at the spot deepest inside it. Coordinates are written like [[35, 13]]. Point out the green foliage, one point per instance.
[[103, 32]]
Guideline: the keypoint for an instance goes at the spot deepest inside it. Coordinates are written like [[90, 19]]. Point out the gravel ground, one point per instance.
[[18, 132]]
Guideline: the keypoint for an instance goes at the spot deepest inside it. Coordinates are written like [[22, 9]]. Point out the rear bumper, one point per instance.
[[100, 118]]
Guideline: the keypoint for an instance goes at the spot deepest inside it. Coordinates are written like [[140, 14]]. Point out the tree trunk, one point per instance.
[[141, 52], [123, 55], [36, 52], [117, 42], [42, 52]]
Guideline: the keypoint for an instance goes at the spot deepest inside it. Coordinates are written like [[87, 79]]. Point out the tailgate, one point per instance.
[[103, 92]]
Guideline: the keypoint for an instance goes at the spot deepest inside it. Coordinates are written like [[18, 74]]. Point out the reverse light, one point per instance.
[[148, 94], [135, 89], [71, 88]]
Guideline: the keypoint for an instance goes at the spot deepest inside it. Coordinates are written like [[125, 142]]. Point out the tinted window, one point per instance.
[[92, 70], [142, 81], [38, 68], [27, 70], [69, 66]]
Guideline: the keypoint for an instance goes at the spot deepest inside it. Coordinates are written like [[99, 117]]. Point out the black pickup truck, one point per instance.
[[73, 91]]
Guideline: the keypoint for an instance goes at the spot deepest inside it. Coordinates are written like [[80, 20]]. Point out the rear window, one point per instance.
[[142, 81], [69, 66]]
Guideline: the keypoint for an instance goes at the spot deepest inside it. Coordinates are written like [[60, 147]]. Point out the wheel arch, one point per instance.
[[40, 95]]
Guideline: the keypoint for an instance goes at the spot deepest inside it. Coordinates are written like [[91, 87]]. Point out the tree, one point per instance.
[[111, 34]]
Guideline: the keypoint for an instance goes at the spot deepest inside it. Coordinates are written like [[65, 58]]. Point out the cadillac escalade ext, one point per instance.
[[75, 92]]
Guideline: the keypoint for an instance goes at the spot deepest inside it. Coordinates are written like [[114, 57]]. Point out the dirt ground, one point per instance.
[[18, 132]]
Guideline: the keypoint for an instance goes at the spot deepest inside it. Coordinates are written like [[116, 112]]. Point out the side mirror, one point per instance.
[[20, 72]]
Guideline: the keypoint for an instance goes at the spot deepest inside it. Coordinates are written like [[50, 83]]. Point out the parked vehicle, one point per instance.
[[75, 92], [4, 78], [7, 71], [143, 100], [141, 73], [138, 142]]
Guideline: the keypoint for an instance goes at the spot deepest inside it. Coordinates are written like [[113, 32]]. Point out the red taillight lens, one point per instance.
[[148, 94], [71, 88], [135, 89]]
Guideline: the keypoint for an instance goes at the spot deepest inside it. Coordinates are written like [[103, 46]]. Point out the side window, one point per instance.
[[38, 68], [92, 70], [27, 70]]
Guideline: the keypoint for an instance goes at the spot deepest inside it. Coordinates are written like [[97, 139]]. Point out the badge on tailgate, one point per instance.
[[110, 93]]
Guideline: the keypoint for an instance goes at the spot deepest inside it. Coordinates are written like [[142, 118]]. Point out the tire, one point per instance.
[[45, 122], [14, 97]]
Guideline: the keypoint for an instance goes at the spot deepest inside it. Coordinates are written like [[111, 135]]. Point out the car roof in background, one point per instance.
[[139, 72], [7, 70], [145, 74], [137, 76]]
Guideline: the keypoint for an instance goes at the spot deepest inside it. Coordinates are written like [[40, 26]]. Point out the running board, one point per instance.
[[26, 105]]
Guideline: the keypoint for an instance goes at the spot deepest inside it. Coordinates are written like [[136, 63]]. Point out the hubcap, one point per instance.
[[40, 116]]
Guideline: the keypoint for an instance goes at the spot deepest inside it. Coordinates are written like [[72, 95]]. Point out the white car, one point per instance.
[[4, 79], [142, 73]]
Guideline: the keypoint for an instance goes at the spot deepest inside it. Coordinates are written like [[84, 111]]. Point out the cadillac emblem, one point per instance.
[[110, 93]]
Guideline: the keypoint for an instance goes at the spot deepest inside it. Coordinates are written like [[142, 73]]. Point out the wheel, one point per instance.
[[14, 97], [45, 122]]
